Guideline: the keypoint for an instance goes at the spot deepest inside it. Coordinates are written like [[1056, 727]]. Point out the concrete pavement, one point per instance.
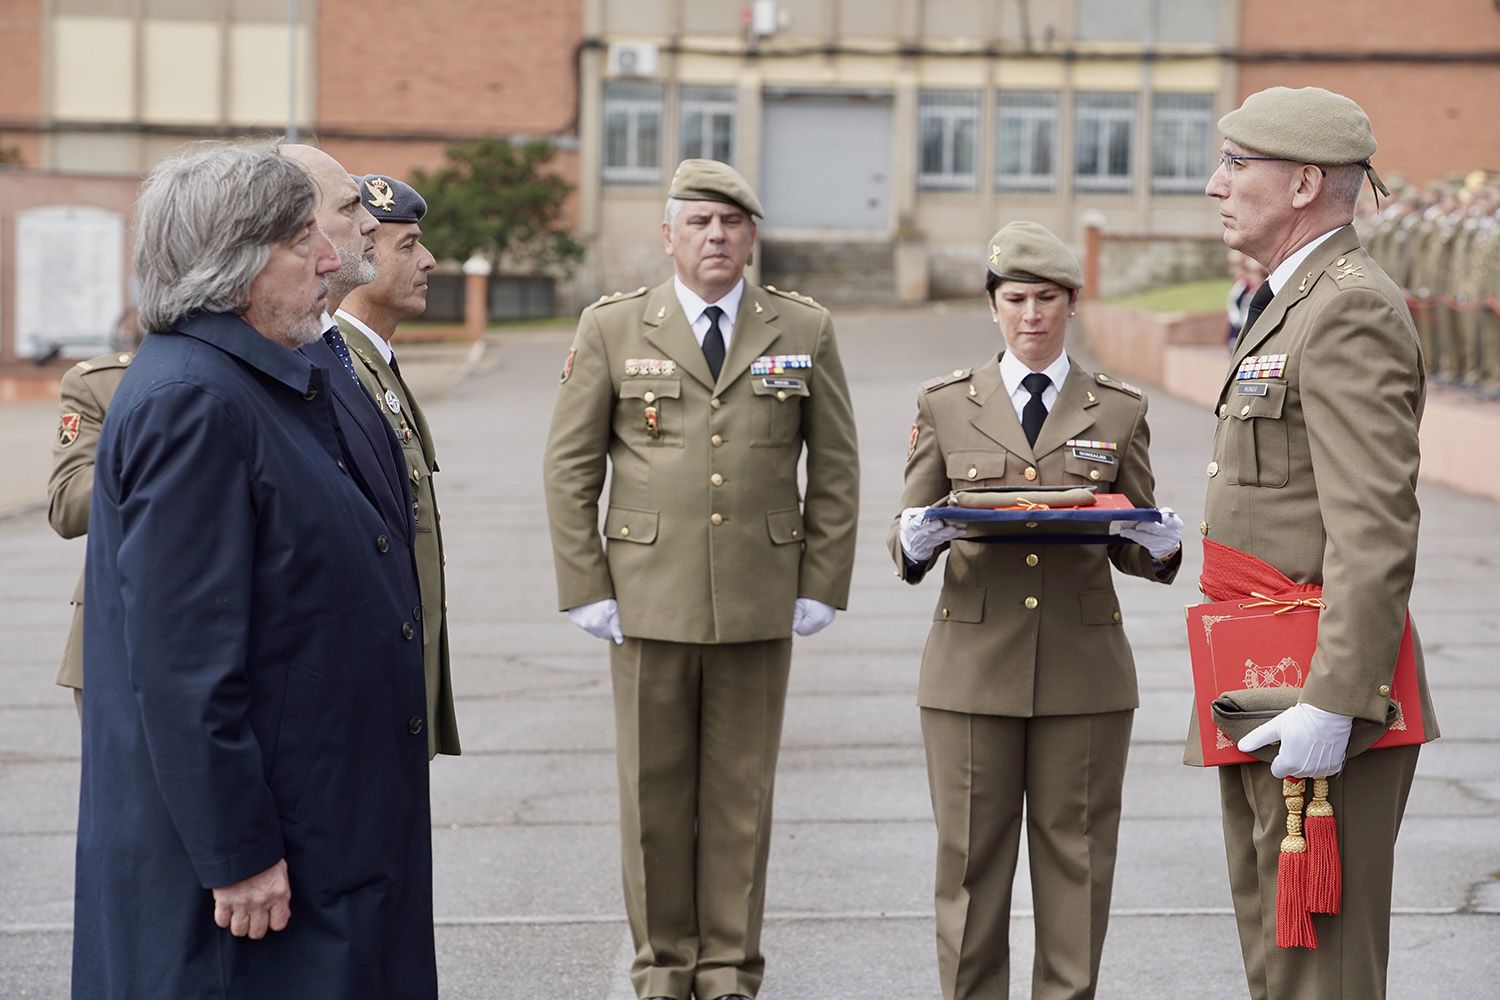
[[527, 883]]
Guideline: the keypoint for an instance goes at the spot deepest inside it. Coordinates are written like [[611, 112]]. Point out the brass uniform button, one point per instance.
[[1203, 528], [1031, 524], [124, 359], [781, 395], [1213, 469], [716, 440], [1030, 472], [1245, 410], [1094, 474], [1031, 559], [796, 533], [958, 373], [1385, 690], [1223, 411], [625, 531], [416, 475], [716, 402], [1117, 616], [716, 518], [945, 612], [649, 397], [973, 472], [1031, 603], [716, 479]]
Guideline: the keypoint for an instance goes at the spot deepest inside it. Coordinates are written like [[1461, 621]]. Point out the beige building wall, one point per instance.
[[900, 52]]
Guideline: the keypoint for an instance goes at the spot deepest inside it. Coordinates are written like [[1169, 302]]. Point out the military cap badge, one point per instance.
[[381, 195]]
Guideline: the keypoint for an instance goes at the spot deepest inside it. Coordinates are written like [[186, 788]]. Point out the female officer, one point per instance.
[[1027, 688]]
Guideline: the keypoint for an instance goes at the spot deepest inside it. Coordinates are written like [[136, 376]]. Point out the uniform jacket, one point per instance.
[[987, 653], [85, 391], [1315, 466], [241, 707], [706, 536], [420, 456]]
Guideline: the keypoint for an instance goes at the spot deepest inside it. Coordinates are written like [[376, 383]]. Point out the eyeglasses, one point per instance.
[[1229, 161]]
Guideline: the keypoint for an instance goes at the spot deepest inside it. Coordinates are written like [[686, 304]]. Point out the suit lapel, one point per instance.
[[1297, 287], [667, 329], [995, 415], [753, 333], [1070, 412]]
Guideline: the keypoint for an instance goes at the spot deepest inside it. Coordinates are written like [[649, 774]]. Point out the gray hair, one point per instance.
[[205, 225], [1343, 185], [670, 215]]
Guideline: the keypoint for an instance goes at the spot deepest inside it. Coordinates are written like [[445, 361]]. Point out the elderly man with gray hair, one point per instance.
[[253, 819]]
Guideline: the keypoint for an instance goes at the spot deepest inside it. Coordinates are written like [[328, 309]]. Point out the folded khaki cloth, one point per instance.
[[1077, 496]]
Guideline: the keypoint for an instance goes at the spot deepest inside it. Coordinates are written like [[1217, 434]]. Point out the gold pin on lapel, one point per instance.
[[661, 313], [1305, 279], [1092, 399], [758, 309]]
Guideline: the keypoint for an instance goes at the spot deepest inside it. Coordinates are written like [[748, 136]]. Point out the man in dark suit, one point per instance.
[[253, 816]]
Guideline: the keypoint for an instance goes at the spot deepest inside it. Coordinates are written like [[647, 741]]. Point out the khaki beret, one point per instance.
[[710, 180], [1307, 125], [1025, 251], [390, 200]]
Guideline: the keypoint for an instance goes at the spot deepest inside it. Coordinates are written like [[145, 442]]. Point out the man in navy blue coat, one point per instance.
[[254, 816]]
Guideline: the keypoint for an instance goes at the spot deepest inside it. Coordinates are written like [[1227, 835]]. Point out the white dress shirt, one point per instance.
[[374, 338], [1288, 268], [693, 306], [1012, 371]]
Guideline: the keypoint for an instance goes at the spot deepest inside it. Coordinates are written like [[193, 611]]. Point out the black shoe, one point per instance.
[[732, 996]]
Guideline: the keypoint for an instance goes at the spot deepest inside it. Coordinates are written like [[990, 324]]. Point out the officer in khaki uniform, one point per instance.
[[710, 560], [1027, 686], [368, 318], [1314, 471], [85, 392]]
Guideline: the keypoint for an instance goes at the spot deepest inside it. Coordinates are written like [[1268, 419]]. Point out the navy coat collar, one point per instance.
[[232, 335]]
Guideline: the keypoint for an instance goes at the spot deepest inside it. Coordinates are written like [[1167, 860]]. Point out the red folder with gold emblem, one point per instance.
[[1259, 642]]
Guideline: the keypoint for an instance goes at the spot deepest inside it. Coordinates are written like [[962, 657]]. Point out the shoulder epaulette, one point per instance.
[[794, 296], [105, 362], [1114, 383], [1349, 270], [620, 296], [956, 375]]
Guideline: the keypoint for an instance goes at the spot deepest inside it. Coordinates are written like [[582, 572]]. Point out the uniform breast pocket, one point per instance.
[[650, 412], [778, 409], [1089, 466], [1256, 435], [967, 469]]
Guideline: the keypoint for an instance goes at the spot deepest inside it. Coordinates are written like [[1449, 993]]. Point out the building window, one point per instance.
[[948, 130], [707, 123], [1182, 136], [1104, 141], [1026, 141], [632, 133]]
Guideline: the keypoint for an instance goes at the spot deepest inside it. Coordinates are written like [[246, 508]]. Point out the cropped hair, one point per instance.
[[205, 225]]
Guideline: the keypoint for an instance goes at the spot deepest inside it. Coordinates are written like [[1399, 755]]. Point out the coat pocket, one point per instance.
[[629, 524], [960, 604], [650, 412], [1098, 607], [785, 526], [971, 468], [1090, 470], [1258, 437], [778, 409]]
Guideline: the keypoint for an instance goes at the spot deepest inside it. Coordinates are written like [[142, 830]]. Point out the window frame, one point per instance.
[[951, 109], [636, 101], [1030, 115], [1109, 115]]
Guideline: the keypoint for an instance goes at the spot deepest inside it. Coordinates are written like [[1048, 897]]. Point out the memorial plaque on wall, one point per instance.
[[69, 280]]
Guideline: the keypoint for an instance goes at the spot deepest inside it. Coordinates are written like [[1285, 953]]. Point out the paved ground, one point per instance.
[[524, 823]]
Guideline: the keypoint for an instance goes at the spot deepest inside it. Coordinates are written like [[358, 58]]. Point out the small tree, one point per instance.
[[10, 156], [500, 200]]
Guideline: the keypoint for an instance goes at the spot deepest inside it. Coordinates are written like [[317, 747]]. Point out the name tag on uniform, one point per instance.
[[1094, 456], [1251, 389], [782, 383]]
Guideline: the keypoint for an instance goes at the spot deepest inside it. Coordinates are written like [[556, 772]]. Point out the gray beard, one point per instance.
[[352, 272]]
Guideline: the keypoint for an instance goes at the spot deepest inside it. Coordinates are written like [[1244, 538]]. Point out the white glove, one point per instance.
[[1161, 539], [809, 616], [600, 619], [1312, 741], [920, 539]]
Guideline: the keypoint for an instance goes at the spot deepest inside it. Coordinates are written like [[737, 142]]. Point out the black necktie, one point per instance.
[[1034, 413], [713, 342], [1258, 302], [335, 340]]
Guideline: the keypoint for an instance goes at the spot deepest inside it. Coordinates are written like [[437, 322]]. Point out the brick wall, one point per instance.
[[21, 77], [1433, 115]]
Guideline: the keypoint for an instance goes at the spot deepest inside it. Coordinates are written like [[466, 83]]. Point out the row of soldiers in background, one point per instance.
[[1441, 244]]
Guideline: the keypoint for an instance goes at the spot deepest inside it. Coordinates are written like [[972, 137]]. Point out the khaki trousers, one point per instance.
[[1426, 323], [1354, 946], [1065, 771], [1489, 348], [697, 730]]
